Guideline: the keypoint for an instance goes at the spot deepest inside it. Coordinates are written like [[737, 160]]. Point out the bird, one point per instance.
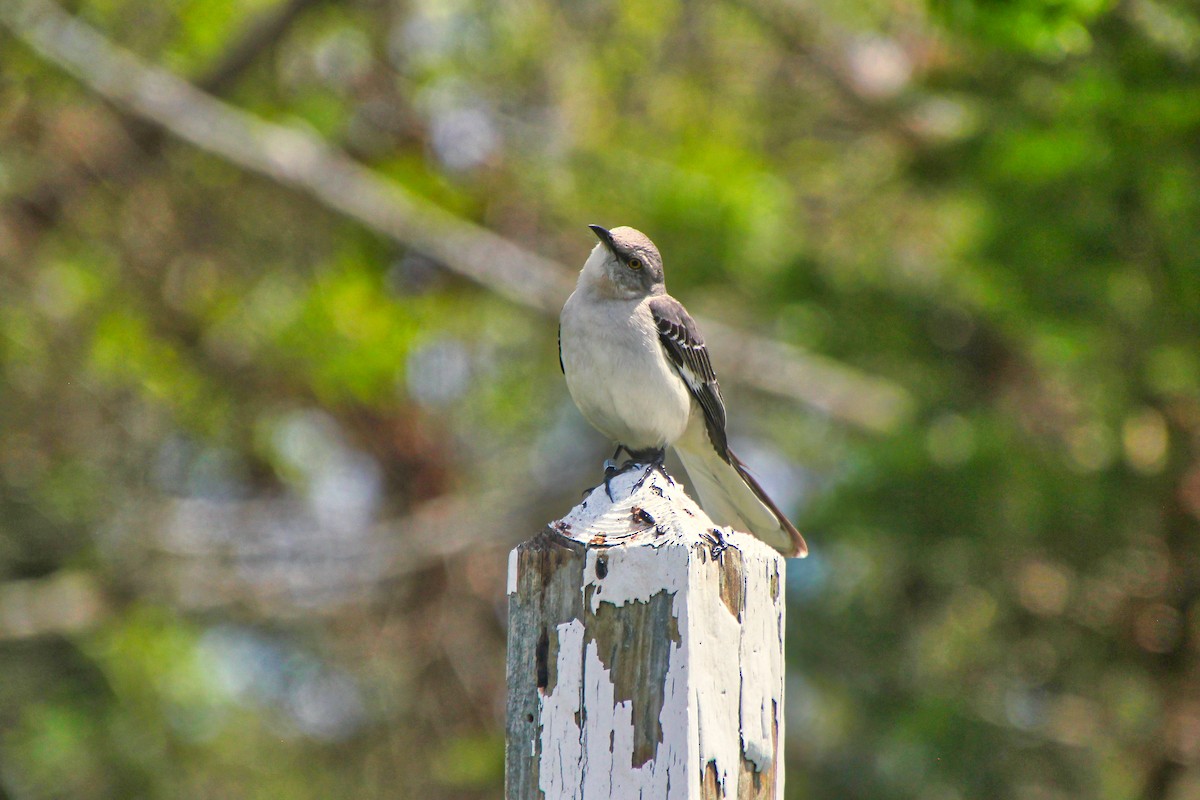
[[636, 366]]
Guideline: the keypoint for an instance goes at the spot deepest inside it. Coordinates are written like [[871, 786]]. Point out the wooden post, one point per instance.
[[645, 654]]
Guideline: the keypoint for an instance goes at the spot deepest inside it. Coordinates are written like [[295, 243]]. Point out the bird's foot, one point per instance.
[[654, 460], [657, 463], [611, 470]]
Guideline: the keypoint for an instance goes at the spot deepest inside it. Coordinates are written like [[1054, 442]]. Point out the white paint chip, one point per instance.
[[512, 571]]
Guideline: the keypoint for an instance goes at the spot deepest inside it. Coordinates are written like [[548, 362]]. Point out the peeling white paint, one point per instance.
[[676, 519], [609, 738], [716, 677], [723, 693], [512, 571], [761, 698], [562, 746], [636, 574]]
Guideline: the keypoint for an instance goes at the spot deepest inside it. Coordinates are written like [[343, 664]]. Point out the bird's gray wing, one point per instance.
[[685, 348]]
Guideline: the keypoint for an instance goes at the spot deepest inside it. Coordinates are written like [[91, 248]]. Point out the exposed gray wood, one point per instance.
[[550, 570]]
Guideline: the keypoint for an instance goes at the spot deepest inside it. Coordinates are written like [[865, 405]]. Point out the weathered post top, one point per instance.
[[645, 654]]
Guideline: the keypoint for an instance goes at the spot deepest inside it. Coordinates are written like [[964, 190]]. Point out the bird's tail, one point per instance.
[[731, 496]]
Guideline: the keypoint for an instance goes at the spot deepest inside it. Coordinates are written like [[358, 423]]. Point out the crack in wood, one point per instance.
[[541, 657]]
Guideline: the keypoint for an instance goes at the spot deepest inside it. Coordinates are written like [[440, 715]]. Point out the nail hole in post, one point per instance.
[[601, 567]]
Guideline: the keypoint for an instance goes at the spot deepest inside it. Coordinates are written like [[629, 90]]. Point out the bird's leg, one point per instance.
[[610, 464], [611, 470], [656, 463], [654, 459]]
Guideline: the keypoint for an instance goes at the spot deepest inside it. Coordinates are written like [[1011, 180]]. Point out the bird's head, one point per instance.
[[624, 264]]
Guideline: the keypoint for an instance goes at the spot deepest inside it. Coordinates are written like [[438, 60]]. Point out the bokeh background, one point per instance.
[[278, 384]]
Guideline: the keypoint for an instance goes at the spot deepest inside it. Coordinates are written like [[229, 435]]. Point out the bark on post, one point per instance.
[[645, 654]]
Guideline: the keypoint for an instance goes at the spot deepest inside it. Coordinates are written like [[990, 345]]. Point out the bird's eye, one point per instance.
[[635, 263]]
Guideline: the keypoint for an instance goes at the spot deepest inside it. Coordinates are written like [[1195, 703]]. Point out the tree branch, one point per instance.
[[304, 161], [42, 205]]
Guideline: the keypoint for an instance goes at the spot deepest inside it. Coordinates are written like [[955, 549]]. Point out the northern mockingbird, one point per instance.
[[636, 366]]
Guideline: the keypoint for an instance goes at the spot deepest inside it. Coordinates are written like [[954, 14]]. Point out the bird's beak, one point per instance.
[[605, 236]]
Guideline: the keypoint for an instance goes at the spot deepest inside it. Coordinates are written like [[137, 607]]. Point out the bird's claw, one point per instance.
[[611, 470], [717, 540], [657, 464]]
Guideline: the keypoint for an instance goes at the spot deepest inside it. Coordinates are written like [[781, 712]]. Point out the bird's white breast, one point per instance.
[[618, 374]]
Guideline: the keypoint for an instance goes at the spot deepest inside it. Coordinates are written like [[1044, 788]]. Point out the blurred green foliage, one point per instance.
[[242, 436]]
